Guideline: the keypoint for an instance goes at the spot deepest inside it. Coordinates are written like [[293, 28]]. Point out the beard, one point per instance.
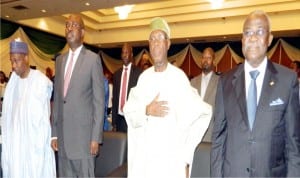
[[206, 68]]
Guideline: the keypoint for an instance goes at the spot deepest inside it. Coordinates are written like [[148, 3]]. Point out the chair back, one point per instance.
[[113, 153], [201, 162]]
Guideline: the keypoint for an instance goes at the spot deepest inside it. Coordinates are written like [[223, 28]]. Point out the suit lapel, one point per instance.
[[270, 80], [238, 83], [76, 69], [62, 71], [210, 87]]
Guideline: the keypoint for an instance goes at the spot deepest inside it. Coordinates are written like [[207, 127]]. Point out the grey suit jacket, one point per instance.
[[209, 97], [78, 118], [272, 147]]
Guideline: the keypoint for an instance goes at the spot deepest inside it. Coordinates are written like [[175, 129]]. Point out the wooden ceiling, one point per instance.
[[189, 20]]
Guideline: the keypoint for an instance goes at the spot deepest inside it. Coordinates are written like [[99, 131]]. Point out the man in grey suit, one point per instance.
[[206, 84], [267, 145], [78, 105]]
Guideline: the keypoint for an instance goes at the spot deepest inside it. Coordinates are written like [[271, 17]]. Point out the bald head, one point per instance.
[[258, 14], [210, 51], [76, 18], [207, 62], [74, 31], [257, 37]]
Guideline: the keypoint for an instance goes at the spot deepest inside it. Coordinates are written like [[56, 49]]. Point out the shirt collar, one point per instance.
[[261, 68], [76, 52], [128, 66]]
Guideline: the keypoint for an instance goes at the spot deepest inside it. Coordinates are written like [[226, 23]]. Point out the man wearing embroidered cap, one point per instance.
[[26, 133], [166, 117]]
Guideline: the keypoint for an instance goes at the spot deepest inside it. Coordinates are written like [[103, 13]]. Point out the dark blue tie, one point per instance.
[[252, 98]]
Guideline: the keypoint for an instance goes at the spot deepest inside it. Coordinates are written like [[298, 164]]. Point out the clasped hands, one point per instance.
[[157, 108]]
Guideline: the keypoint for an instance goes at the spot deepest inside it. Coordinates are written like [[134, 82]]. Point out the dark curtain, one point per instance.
[[7, 28]]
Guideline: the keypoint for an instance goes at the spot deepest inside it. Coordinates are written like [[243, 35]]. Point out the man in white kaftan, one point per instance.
[[26, 134], [162, 141]]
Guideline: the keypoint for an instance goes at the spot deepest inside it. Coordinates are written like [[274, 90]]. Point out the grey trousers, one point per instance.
[[76, 168]]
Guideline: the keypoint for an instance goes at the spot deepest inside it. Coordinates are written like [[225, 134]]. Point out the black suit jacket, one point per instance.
[[118, 120], [272, 147]]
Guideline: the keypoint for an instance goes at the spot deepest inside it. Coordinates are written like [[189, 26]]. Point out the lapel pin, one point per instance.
[[272, 83]]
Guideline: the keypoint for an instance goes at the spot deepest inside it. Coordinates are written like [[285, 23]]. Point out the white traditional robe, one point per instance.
[[161, 147], [26, 134]]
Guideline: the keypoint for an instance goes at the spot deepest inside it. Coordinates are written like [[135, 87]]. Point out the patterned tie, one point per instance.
[[252, 98], [68, 75], [124, 89]]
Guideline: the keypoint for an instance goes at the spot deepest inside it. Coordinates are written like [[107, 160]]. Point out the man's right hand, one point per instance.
[[157, 108], [54, 144]]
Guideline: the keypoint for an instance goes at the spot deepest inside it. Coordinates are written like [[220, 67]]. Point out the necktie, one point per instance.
[[68, 75], [124, 89], [252, 98]]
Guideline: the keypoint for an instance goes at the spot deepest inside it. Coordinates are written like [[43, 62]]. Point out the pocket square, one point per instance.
[[276, 102]]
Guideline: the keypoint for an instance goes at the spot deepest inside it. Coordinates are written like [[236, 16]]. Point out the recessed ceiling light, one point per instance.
[[43, 10], [7, 16], [87, 4]]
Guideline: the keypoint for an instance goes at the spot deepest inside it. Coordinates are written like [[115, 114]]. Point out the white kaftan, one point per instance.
[[161, 147], [26, 134]]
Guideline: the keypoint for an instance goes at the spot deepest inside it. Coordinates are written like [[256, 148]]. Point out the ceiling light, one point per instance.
[[87, 4], [123, 11], [7, 16], [43, 10], [216, 4]]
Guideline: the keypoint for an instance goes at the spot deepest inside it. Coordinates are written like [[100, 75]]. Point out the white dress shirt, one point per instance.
[[128, 75], [260, 78], [204, 82], [76, 54]]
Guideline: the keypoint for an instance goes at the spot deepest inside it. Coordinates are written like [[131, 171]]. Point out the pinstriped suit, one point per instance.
[[117, 119], [272, 147]]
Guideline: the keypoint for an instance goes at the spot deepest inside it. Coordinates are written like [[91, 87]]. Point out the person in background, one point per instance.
[[26, 131], [78, 110], [166, 117], [110, 89], [256, 120], [123, 80], [145, 62], [106, 124], [3, 82], [49, 73], [206, 84]]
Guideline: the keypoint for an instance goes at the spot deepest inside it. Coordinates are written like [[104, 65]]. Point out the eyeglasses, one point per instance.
[[158, 39], [73, 25], [259, 33]]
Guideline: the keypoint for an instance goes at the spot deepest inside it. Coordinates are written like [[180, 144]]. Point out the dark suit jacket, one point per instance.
[[209, 97], [272, 148], [119, 120], [78, 118]]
